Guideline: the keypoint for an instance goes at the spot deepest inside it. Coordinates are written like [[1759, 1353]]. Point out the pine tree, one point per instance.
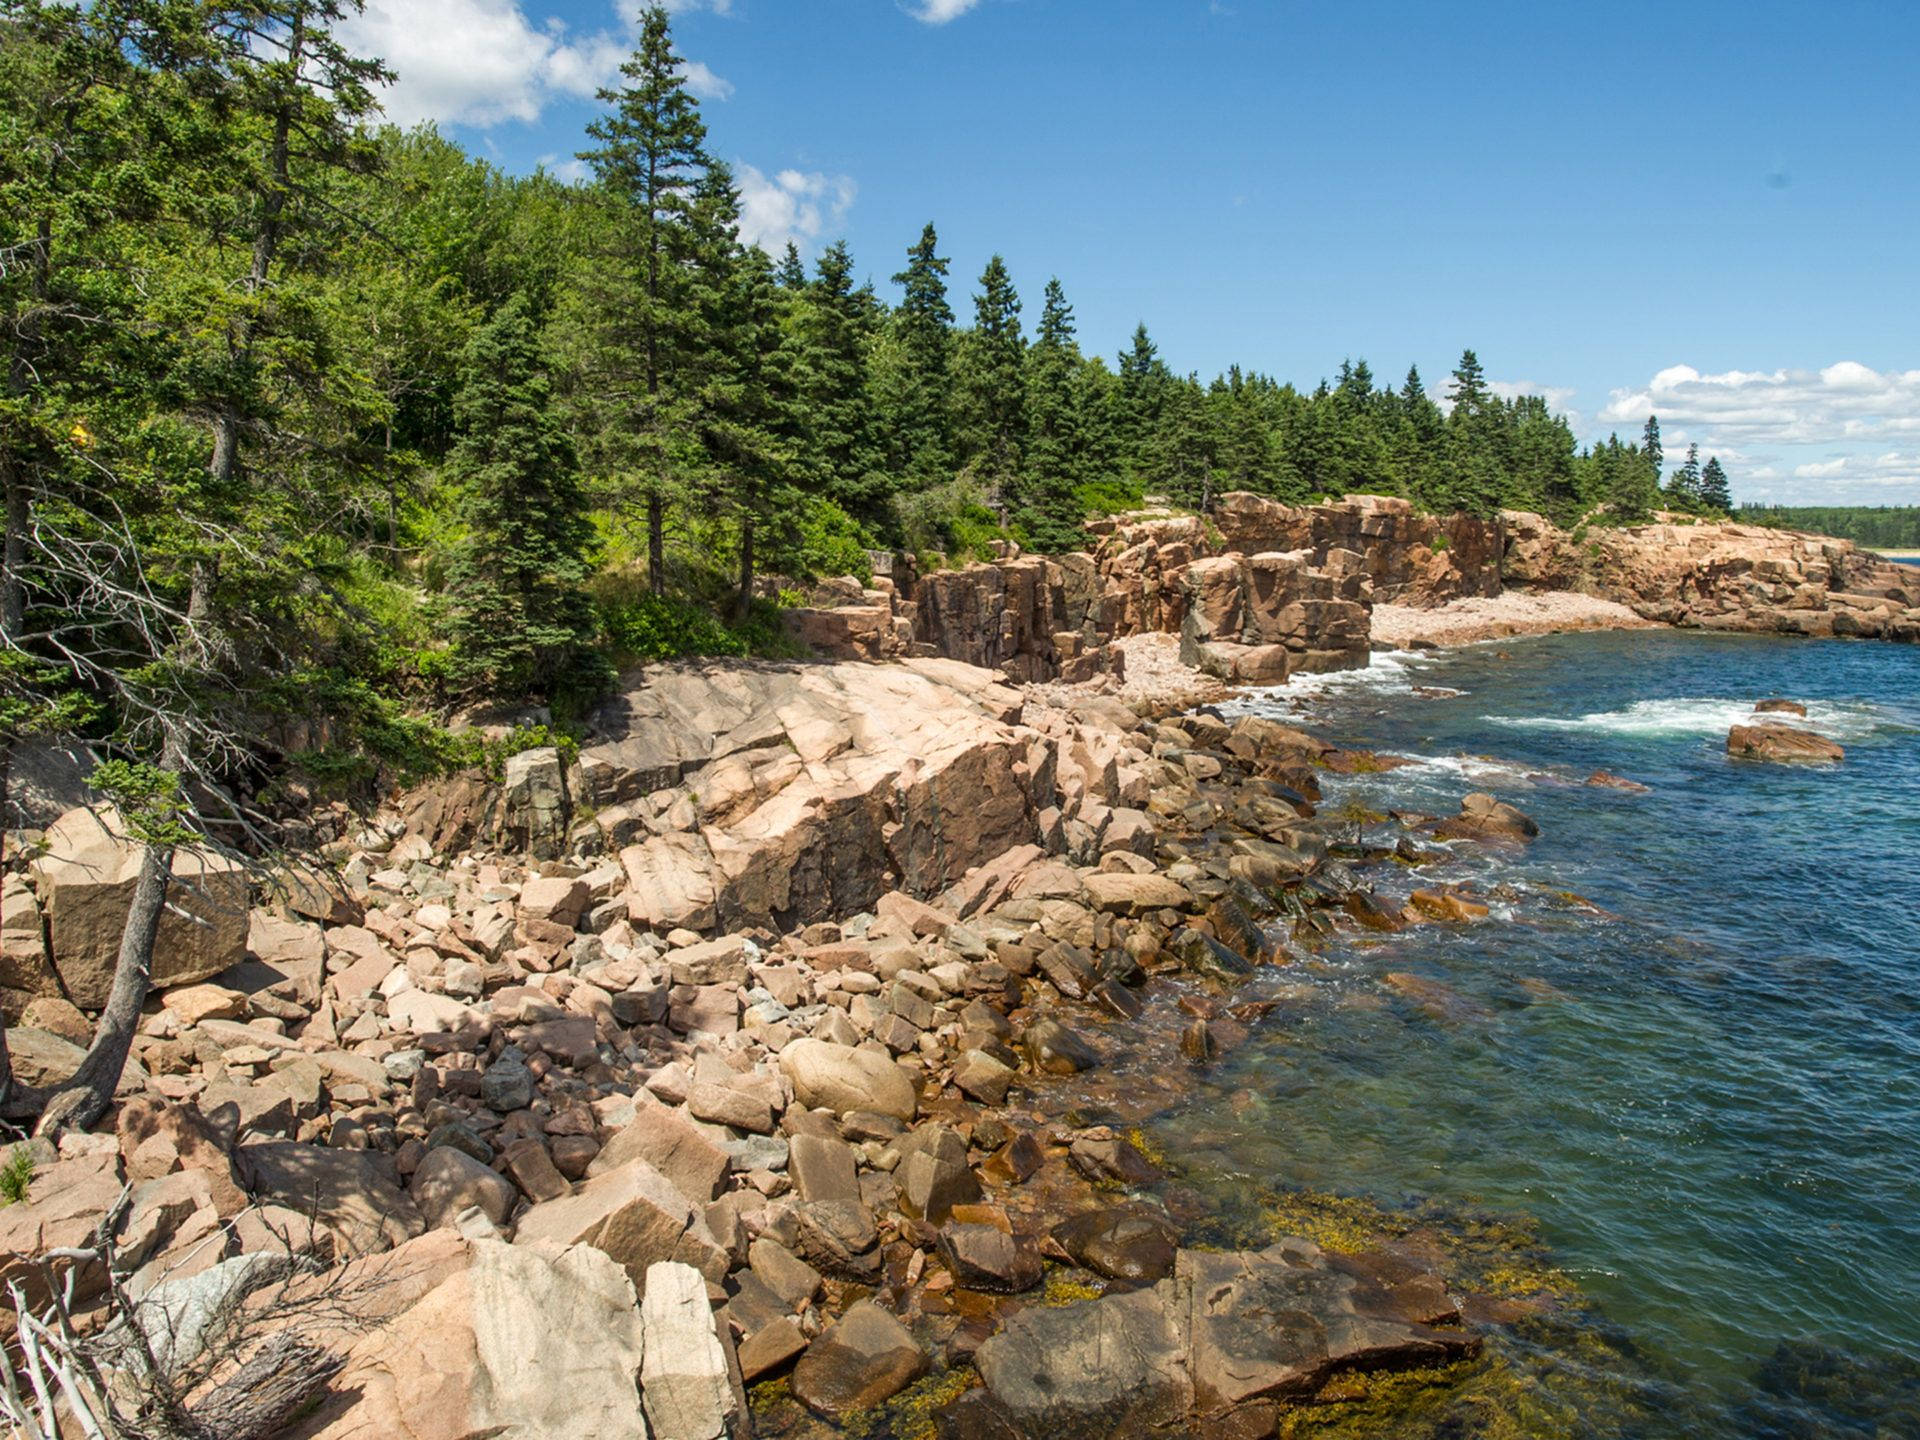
[[1716, 495], [647, 331], [520, 621], [917, 410], [1469, 389], [1683, 489], [792, 273], [1650, 447], [1055, 460], [1144, 383], [838, 451], [1628, 482], [991, 384]]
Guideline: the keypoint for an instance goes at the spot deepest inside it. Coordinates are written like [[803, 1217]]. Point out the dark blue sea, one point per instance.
[[1704, 1087]]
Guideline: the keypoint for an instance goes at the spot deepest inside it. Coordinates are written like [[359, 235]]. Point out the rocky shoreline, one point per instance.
[[775, 1063], [782, 1134]]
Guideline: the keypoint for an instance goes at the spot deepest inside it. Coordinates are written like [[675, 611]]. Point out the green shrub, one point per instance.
[[827, 542], [643, 626], [1113, 495], [16, 1175]]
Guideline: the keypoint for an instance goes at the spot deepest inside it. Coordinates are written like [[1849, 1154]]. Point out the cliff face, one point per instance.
[[1721, 577], [1258, 589]]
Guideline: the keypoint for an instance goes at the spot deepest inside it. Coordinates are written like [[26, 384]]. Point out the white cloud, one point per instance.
[[1847, 401], [703, 82], [482, 62], [1840, 434], [939, 12], [790, 205]]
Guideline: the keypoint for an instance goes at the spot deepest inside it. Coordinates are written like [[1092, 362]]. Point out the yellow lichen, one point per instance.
[[1067, 1287]]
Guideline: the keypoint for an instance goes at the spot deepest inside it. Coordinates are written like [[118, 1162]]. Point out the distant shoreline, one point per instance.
[[1909, 557]]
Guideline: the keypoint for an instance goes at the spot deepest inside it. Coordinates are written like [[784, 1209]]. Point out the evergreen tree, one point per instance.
[[1469, 389], [838, 451], [1650, 447], [917, 413], [1627, 482], [991, 385], [520, 622], [647, 332], [1683, 489], [1055, 460], [792, 274], [1716, 496], [1144, 383]]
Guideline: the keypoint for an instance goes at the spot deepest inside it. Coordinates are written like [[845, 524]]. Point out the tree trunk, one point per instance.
[[13, 564], [80, 1102], [656, 543], [744, 604]]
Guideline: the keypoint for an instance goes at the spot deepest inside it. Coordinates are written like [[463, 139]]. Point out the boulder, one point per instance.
[[684, 1382], [351, 1192], [1120, 893], [1781, 744], [1089, 1371], [863, 1359], [1482, 817], [1125, 1243], [835, 1077], [85, 877], [520, 1343], [448, 1182], [633, 1214], [672, 1144]]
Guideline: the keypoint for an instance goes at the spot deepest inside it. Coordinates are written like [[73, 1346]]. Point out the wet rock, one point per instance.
[[1606, 780], [1781, 744], [1280, 1321], [1053, 1049], [989, 1257], [837, 1078], [1101, 1368], [1126, 1243], [862, 1360], [1209, 959], [1372, 915], [983, 1078], [1105, 1156], [1482, 817], [1780, 707], [1446, 905]]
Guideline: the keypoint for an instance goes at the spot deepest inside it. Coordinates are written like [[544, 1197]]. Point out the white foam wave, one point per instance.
[[1703, 715], [1388, 672]]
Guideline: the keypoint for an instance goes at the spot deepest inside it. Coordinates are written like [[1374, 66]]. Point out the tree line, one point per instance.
[[1882, 527], [303, 413]]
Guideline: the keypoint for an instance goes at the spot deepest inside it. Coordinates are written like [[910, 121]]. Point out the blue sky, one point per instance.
[[1706, 208]]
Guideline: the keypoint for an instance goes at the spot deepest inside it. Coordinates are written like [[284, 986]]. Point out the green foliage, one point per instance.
[[148, 798], [1884, 527], [952, 521], [1111, 495], [827, 542], [16, 1175]]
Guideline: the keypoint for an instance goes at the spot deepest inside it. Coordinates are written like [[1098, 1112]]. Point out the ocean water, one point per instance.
[[1706, 1090]]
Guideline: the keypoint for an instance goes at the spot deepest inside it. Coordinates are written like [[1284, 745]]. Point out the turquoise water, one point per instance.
[[1709, 1095]]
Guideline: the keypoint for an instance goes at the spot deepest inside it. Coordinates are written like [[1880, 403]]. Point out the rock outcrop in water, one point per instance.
[[1787, 744]]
